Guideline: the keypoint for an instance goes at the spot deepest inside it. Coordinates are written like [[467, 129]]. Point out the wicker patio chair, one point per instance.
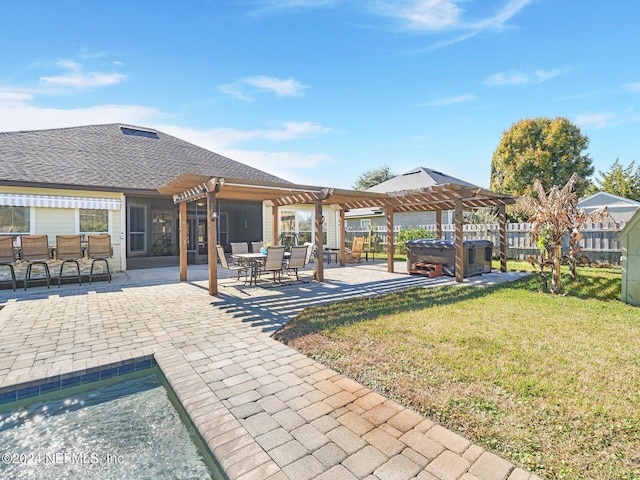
[[8, 257], [69, 250], [35, 251]]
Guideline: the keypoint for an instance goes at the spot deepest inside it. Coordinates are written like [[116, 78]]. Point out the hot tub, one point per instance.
[[477, 255]]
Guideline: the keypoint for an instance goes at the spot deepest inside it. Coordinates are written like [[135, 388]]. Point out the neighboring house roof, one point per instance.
[[417, 178], [605, 199], [113, 157]]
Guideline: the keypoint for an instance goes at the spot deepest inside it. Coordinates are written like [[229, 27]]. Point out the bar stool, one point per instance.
[[8, 257], [35, 251]]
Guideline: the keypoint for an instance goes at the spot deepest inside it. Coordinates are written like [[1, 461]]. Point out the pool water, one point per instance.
[[124, 428]]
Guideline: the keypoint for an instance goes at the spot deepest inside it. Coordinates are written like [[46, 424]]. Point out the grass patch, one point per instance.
[[550, 381]]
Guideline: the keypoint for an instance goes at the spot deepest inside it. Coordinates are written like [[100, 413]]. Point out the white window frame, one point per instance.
[[109, 223]]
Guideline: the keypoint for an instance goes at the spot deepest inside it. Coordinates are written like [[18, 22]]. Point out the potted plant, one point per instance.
[[265, 246]]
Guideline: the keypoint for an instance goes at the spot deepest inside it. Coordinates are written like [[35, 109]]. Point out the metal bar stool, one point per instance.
[[99, 250], [7, 257], [69, 250]]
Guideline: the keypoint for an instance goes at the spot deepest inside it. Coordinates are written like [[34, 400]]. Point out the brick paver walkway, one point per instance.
[[265, 410]]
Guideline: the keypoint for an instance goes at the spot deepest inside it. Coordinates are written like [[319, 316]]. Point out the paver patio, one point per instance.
[[265, 410]]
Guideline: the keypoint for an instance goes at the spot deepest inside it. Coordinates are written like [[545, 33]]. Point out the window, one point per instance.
[[137, 228], [300, 223], [365, 223], [15, 220], [94, 221], [162, 226]]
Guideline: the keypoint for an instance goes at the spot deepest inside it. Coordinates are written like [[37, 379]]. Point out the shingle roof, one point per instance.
[[114, 156], [417, 178]]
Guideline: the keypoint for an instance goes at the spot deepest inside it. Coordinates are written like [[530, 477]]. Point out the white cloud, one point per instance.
[[607, 119], [246, 88], [437, 15], [14, 97], [283, 88], [430, 14], [499, 20], [450, 101], [234, 90], [224, 138], [75, 77], [20, 116], [284, 164], [595, 120], [632, 87], [515, 77]]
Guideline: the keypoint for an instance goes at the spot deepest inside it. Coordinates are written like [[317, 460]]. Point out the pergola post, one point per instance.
[[390, 239], [438, 223], [459, 253], [183, 241], [343, 238], [212, 242], [319, 242], [274, 225], [502, 218]]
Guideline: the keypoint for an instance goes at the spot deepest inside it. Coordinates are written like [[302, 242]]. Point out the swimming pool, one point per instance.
[[127, 427]]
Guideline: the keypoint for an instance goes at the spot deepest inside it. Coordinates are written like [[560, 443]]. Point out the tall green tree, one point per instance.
[[619, 180], [549, 150], [373, 177]]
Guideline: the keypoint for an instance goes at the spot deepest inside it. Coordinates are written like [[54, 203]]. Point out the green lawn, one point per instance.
[[549, 381]]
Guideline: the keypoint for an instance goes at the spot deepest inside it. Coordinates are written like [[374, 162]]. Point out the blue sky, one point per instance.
[[320, 91]]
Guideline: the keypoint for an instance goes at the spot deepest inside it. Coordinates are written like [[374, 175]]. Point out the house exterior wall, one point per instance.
[[621, 209], [65, 221], [402, 219], [622, 214]]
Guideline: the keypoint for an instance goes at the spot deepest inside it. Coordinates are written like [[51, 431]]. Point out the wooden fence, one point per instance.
[[599, 244]]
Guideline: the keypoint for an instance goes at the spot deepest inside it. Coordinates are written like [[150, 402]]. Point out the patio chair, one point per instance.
[[355, 254], [298, 259], [99, 251], [256, 246], [69, 250], [238, 248], [8, 257], [243, 268], [272, 263], [35, 251]]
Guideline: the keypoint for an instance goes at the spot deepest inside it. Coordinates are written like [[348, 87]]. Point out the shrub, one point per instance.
[[406, 234]]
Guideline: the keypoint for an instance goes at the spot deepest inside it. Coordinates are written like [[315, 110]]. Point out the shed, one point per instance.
[[630, 238]]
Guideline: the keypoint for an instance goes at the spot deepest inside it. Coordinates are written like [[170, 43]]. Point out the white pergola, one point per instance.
[[188, 187]]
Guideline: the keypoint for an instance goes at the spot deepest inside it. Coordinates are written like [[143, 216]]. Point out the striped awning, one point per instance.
[[51, 201]]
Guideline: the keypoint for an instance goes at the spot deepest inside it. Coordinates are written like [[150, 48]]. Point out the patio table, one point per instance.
[[253, 259]]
